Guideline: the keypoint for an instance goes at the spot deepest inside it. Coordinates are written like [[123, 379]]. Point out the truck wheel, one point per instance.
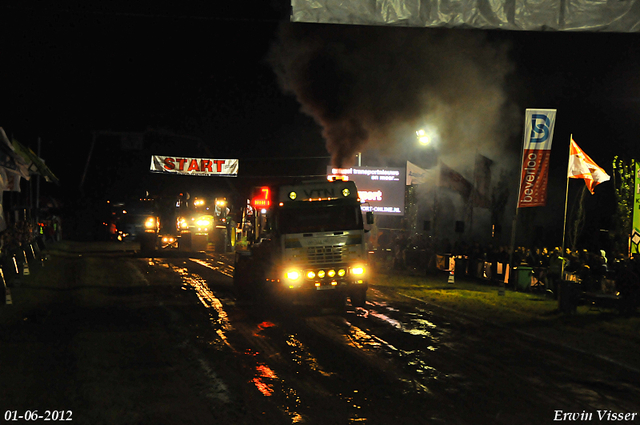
[[242, 278], [199, 242], [219, 241], [340, 304], [148, 244], [358, 298], [184, 243]]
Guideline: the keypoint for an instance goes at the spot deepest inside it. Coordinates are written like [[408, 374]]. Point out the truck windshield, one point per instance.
[[331, 218]]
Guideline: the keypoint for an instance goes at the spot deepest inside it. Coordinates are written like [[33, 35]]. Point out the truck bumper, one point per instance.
[[325, 292]]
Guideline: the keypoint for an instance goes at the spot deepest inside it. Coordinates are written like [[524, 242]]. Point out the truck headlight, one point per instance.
[[203, 222], [150, 223], [293, 274], [311, 274], [342, 272], [331, 273], [358, 270], [321, 274]]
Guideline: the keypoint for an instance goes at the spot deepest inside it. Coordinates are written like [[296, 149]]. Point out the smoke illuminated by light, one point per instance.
[[371, 87]]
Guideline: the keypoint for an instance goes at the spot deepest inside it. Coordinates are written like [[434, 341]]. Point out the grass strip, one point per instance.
[[592, 329]]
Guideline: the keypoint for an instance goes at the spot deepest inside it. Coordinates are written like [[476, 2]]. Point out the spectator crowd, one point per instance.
[[594, 271]]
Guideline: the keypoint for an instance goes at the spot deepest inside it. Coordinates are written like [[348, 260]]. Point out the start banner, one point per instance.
[[194, 166], [538, 135]]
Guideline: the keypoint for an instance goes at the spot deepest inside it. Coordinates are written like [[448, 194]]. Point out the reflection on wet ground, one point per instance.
[[353, 401], [317, 367], [220, 318], [265, 379], [362, 340], [215, 265], [303, 357], [413, 353], [377, 329], [268, 382]]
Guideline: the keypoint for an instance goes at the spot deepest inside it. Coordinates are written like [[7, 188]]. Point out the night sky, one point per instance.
[[197, 72], [209, 73]]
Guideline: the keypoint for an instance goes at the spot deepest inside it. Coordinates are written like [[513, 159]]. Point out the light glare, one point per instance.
[[357, 270]]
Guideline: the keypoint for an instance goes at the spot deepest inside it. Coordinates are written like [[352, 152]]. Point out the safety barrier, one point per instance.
[[18, 263]]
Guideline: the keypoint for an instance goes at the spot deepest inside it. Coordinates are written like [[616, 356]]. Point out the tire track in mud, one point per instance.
[[440, 368], [321, 363], [284, 368], [515, 378], [251, 360]]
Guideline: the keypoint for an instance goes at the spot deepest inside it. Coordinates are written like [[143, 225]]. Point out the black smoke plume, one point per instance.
[[371, 86]]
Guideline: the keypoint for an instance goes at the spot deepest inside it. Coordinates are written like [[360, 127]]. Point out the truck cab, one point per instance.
[[138, 219], [203, 221], [308, 244]]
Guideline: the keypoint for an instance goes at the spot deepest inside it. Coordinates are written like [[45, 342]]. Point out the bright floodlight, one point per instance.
[[423, 138]]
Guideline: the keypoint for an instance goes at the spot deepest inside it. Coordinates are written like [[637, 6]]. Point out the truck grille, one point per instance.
[[325, 254]]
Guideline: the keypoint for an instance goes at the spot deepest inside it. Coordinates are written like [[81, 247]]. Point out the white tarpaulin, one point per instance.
[[537, 15], [194, 166]]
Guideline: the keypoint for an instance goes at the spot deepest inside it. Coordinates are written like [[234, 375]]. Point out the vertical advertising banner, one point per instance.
[[538, 135], [635, 215]]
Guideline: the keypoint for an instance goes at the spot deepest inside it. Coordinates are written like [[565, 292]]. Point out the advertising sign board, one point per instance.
[[380, 189]]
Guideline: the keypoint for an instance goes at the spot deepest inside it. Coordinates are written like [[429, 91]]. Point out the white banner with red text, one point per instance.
[[538, 135], [194, 166]]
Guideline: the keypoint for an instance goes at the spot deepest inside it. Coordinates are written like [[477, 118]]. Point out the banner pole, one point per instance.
[[635, 218], [435, 200], [566, 201], [515, 216], [474, 193], [514, 224]]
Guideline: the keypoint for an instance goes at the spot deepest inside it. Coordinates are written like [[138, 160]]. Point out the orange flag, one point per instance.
[[583, 167]]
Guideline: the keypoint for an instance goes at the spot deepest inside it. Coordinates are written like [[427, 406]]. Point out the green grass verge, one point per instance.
[[482, 300], [523, 310]]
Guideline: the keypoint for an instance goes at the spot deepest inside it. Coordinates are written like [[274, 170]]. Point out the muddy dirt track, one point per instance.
[[114, 337]]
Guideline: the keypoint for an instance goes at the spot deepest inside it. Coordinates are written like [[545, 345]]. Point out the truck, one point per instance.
[[304, 243], [203, 221], [148, 220]]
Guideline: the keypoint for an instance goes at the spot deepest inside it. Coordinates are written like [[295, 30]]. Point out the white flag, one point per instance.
[[583, 167]]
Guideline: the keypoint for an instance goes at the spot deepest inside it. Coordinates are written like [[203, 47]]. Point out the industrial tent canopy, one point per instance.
[[542, 15]]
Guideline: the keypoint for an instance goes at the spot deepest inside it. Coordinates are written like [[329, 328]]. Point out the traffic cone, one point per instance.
[[452, 278]]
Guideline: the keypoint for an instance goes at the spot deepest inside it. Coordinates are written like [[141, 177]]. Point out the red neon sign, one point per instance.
[[263, 198]]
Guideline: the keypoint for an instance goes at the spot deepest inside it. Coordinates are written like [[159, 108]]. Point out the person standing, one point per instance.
[[555, 271]]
